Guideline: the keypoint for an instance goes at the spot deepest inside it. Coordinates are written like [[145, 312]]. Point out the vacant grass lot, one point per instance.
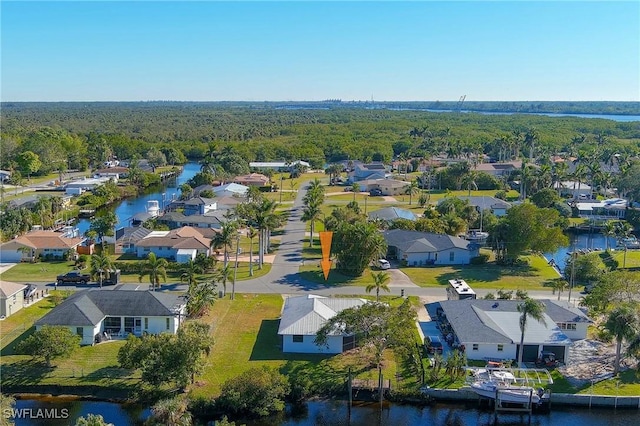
[[626, 384], [489, 276], [47, 271]]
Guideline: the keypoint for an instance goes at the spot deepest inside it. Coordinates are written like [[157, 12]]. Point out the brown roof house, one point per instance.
[[180, 245], [47, 244], [253, 179]]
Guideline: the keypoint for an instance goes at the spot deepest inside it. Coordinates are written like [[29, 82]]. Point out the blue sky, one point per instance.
[[253, 51]]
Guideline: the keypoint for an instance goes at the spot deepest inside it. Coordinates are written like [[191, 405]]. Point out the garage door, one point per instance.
[[530, 353], [10, 256], [558, 350]]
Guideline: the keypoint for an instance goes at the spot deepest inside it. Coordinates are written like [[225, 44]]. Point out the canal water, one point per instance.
[[335, 413], [587, 241], [164, 194]]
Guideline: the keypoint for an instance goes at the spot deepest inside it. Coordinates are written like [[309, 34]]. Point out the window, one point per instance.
[[80, 331], [474, 347], [168, 322], [298, 338], [146, 323], [452, 256], [500, 348]]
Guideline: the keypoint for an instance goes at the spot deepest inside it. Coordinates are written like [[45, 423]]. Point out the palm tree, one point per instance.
[[412, 190], [311, 213], [559, 285], [155, 267], [225, 238], [380, 281], [623, 323], [251, 233], [609, 229], [190, 271], [529, 308], [265, 218], [201, 295], [171, 412], [356, 188], [101, 263], [225, 274], [469, 179]]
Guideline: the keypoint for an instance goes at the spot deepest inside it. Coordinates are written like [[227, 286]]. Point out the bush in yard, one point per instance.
[[50, 342], [256, 392]]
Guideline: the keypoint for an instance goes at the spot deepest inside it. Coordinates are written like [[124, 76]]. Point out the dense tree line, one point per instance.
[[76, 135]]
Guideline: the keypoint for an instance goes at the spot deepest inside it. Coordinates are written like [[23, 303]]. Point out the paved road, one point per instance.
[[283, 277]]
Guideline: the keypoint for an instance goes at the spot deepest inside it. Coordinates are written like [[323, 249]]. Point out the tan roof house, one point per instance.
[[253, 179], [181, 244], [11, 298], [39, 243]]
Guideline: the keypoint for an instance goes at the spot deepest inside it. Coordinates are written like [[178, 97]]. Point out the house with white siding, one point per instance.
[[97, 314], [303, 316], [490, 329], [180, 245], [47, 244], [415, 248], [11, 298]]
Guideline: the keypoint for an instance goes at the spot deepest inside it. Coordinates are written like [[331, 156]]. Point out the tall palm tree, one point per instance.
[[101, 264], [225, 275], [225, 238], [380, 282], [189, 272], [311, 213], [200, 296], [356, 188], [469, 180], [251, 233], [529, 308], [412, 190], [265, 218], [609, 230], [156, 268], [623, 323]]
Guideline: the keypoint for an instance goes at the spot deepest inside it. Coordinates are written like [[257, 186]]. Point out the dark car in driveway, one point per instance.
[[75, 277], [375, 192]]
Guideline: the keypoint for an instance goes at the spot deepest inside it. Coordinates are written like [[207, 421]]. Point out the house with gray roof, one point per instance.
[[490, 329], [98, 314], [416, 248], [303, 316], [367, 171], [175, 220], [389, 214], [483, 203]]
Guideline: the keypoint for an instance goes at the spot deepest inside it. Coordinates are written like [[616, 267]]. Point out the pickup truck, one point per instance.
[[73, 277]]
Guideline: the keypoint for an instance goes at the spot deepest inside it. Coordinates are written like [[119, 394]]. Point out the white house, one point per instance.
[[77, 187], [613, 208], [423, 248], [482, 203], [11, 298], [303, 316], [98, 314], [40, 243], [277, 165], [574, 189], [181, 244], [489, 329]]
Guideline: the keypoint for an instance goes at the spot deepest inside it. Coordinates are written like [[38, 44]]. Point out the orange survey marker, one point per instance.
[[325, 243]]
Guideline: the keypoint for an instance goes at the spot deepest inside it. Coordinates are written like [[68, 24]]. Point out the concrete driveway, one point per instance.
[[399, 279]]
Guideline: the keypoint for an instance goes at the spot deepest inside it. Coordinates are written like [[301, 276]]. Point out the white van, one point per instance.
[[384, 264]]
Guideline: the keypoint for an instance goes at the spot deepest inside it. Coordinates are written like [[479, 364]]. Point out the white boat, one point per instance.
[[474, 235], [489, 384], [153, 207], [629, 242]]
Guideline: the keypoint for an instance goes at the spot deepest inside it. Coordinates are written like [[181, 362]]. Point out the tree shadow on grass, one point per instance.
[[107, 375], [24, 372], [10, 348]]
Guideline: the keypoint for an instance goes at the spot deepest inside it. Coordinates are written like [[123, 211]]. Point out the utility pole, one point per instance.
[[281, 188], [573, 272]]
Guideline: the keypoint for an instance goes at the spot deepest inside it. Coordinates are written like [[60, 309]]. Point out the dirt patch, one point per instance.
[[589, 360]]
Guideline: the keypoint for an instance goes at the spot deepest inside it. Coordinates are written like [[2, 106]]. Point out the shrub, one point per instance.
[[256, 392], [480, 259], [501, 195]]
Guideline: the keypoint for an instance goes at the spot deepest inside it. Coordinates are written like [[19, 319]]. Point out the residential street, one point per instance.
[[284, 279]]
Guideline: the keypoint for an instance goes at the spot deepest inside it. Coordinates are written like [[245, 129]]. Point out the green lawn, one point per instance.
[[20, 322], [243, 341], [41, 271], [489, 276], [632, 258], [626, 384]]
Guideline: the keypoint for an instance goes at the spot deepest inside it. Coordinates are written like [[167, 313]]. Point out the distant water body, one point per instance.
[[613, 117]]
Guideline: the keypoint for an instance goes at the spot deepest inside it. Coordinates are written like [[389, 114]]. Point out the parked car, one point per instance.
[[73, 277], [348, 189], [433, 344], [375, 192], [384, 264]]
